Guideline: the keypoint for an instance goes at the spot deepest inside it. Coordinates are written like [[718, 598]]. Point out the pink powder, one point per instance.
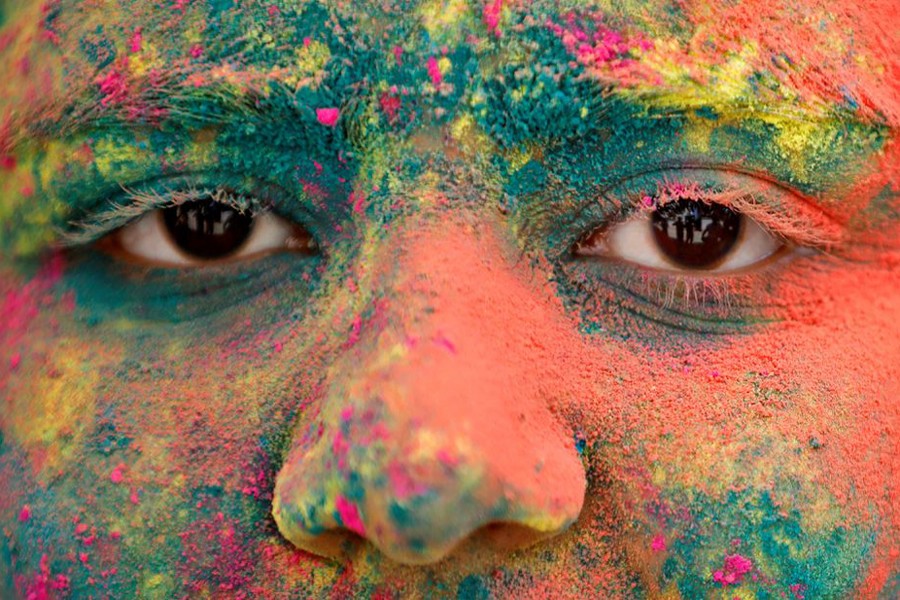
[[447, 458], [61, 583], [441, 340], [434, 71], [402, 484], [491, 16], [117, 475], [659, 543], [134, 44], [25, 514], [113, 87], [390, 105], [349, 515], [358, 202], [328, 116], [736, 566], [355, 330]]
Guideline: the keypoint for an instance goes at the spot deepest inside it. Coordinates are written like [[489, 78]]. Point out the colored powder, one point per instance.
[[736, 567], [434, 71], [349, 515], [328, 116]]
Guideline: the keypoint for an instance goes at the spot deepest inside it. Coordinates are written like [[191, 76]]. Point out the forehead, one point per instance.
[[808, 53]]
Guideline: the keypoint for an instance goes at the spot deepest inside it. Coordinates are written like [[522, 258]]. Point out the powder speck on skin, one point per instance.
[[736, 566], [113, 87], [349, 515], [117, 475], [434, 71], [491, 16], [328, 116], [134, 45]]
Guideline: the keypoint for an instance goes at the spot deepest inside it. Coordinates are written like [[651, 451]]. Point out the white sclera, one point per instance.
[[633, 241], [148, 240]]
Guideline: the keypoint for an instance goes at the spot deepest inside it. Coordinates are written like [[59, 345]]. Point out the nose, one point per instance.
[[437, 421]]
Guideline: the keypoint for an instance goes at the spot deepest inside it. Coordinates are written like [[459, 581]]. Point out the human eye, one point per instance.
[[193, 247], [685, 235], [193, 228], [691, 249], [203, 228]]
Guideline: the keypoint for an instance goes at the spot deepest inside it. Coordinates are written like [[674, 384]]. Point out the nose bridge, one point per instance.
[[436, 421]]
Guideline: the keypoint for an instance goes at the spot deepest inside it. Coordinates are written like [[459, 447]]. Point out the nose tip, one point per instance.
[[418, 497], [422, 528], [436, 423]]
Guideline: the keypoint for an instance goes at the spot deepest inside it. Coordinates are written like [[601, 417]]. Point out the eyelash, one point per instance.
[[705, 302], [781, 211], [133, 204]]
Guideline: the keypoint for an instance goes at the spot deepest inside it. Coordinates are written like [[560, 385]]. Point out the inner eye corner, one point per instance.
[[581, 242]]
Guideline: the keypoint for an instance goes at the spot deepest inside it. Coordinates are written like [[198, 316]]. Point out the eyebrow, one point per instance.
[[189, 108]]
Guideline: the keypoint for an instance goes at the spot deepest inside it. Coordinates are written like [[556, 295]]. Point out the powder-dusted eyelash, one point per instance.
[[137, 203], [800, 225]]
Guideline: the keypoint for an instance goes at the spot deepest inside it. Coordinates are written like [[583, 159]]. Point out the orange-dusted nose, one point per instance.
[[437, 422]]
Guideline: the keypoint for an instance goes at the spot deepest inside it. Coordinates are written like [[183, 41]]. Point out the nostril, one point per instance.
[[494, 538]]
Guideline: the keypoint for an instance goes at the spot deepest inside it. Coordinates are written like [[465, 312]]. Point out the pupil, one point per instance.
[[207, 229], [695, 234]]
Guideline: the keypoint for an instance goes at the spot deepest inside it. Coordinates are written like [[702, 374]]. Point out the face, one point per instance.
[[504, 299]]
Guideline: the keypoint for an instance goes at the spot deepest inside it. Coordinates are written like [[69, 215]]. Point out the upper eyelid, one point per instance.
[[799, 221], [136, 203]]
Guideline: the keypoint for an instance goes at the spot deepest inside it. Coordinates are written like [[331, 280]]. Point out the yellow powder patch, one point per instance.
[[309, 66], [518, 158], [801, 142], [446, 20], [110, 156], [157, 585], [51, 415], [470, 138], [697, 133], [139, 64], [691, 85]]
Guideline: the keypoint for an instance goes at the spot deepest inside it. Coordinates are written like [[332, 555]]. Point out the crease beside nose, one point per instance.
[[436, 424]]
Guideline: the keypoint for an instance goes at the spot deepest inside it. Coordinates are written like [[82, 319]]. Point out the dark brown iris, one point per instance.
[[695, 234], [207, 229]]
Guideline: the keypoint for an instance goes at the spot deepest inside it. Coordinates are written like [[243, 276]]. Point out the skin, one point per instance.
[[444, 401]]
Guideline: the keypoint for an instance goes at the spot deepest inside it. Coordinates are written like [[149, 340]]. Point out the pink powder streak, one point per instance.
[[736, 566], [349, 515], [434, 71], [328, 116]]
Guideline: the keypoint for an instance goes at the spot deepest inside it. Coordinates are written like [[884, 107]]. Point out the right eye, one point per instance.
[[205, 231]]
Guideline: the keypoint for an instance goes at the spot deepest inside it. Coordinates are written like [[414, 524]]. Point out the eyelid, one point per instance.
[[782, 211], [135, 203]]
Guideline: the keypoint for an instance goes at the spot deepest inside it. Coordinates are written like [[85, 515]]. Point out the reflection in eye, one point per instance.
[[684, 235], [204, 231]]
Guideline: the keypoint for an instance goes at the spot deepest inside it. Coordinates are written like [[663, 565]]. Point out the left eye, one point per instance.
[[204, 231], [684, 235]]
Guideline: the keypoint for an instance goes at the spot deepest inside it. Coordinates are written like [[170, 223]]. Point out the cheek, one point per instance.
[[776, 447], [49, 377]]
